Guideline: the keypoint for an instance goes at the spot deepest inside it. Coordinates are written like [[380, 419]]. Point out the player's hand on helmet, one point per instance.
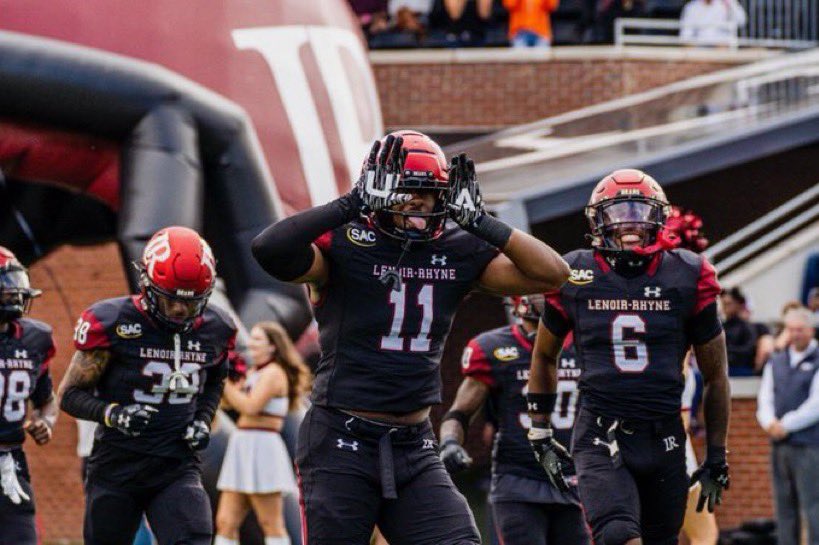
[[454, 456], [550, 454], [465, 203], [713, 478], [130, 419], [8, 480], [197, 434], [39, 430], [380, 175]]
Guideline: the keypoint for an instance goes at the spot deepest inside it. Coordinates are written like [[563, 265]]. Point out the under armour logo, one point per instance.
[[652, 292], [194, 345], [428, 444], [439, 260], [21, 353], [670, 443], [344, 445], [613, 447], [465, 201]]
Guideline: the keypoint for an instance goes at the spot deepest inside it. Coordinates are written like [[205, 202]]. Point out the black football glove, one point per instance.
[[465, 204], [713, 478], [454, 457], [550, 454], [380, 174], [130, 419], [197, 434]]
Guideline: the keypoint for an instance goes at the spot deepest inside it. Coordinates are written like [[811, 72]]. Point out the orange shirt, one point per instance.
[[531, 15]]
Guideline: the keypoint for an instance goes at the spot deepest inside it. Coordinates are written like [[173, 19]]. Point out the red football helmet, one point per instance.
[[15, 290], [425, 169], [627, 203], [529, 307], [177, 274]]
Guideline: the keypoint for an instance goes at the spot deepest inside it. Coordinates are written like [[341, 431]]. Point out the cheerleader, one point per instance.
[[699, 527], [257, 471]]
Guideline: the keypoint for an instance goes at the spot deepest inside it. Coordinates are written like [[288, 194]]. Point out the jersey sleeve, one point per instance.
[[708, 287], [483, 253], [704, 324], [90, 332], [324, 242], [555, 318], [475, 364]]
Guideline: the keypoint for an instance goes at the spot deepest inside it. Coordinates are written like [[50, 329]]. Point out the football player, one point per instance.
[[635, 306], [527, 508], [26, 348], [386, 272], [150, 369]]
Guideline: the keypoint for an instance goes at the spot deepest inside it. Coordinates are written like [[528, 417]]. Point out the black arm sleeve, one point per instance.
[[284, 249], [43, 391], [208, 401], [83, 404], [703, 326], [554, 321]]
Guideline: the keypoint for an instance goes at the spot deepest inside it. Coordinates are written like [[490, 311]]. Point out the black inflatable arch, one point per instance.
[[188, 156]]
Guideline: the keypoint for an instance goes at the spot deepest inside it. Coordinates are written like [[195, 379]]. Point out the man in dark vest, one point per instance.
[[788, 410]]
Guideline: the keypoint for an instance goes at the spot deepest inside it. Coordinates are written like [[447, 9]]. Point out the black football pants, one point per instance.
[[355, 474], [177, 507], [637, 487], [521, 523]]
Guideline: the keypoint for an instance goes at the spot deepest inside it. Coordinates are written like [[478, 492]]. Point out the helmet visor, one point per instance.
[[179, 310], [629, 212]]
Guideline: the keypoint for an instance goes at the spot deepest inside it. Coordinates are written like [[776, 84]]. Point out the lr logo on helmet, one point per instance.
[[361, 237]]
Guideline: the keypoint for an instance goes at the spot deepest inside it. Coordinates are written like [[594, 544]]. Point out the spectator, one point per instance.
[[466, 20], [610, 10], [788, 410], [764, 346], [711, 22], [371, 14], [529, 22], [739, 335], [410, 15], [782, 340]]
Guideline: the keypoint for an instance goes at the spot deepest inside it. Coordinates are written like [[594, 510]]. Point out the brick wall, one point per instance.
[[421, 91]]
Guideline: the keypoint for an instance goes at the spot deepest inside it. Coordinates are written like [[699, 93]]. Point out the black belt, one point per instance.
[[385, 434], [629, 426]]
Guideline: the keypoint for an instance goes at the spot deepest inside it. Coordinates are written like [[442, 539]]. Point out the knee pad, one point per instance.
[[616, 532]]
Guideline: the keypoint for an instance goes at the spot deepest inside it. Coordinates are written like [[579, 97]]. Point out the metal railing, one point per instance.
[[787, 24]]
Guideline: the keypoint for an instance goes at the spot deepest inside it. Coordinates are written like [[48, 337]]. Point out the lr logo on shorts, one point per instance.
[[670, 443]]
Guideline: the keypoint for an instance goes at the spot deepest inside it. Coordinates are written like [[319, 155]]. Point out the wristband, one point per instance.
[[461, 417], [107, 418], [492, 230], [541, 403], [715, 454]]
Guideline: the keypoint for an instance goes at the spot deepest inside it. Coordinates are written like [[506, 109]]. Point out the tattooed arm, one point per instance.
[[712, 359], [76, 392]]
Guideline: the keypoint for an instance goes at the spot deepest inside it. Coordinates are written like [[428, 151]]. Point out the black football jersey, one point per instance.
[[381, 347], [142, 362], [631, 334], [25, 352], [500, 358]]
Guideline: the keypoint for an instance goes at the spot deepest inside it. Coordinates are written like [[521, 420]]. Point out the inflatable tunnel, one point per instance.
[[96, 146]]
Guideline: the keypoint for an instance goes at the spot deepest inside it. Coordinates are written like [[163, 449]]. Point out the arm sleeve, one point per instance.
[[765, 413], [44, 387], [284, 250], [475, 364], [208, 400], [807, 414], [555, 318]]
